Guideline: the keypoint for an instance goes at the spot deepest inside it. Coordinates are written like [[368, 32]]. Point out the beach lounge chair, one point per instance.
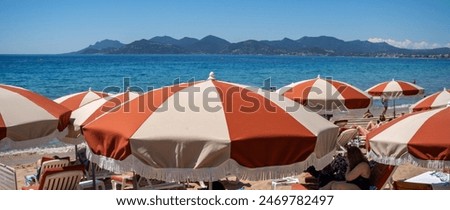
[[284, 181], [122, 181], [125, 181], [8, 180], [57, 163], [60, 178], [299, 186], [344, 138], [402, 185], [88, 184], [161, 186], [380, 175], [46, 163], [341, 123]]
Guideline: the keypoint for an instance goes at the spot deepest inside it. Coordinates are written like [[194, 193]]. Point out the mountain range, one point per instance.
[[322, 45]]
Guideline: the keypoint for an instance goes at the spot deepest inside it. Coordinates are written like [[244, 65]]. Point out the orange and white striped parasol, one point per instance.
[[28, 119], [421, 138], [326, 94], [76, 100], [206, 130], [436, 100]]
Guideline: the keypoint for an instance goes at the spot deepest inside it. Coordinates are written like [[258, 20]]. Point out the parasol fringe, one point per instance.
[[229, 167], [408, 158], [8, 144]]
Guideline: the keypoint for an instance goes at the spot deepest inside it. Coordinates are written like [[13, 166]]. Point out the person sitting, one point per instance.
[[382, 118], [34, 178], [335, 171], [370, 126], [357, 175]]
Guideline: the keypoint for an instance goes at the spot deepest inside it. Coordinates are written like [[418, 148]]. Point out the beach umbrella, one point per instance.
[[420, 138], [208, 129], [28, 119], [395, 89], [76, 100], [73, 102], [326, 95], [436, 100], [89, 112]]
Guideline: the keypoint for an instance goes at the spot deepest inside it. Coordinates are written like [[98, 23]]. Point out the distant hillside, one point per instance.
[[209, 45], [253, 47], [147, 47], [322, 45], [101, 46]]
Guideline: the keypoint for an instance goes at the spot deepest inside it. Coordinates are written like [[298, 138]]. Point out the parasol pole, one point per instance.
[[394, 107], [93, 167], [448, 105]]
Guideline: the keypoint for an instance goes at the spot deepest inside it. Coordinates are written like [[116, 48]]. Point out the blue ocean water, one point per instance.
[[57, 75]]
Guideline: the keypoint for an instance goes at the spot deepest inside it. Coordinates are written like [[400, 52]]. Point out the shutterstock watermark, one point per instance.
[[217, 96]]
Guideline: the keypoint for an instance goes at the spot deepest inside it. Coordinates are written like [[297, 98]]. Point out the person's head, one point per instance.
[[382, 118], [355, 156]]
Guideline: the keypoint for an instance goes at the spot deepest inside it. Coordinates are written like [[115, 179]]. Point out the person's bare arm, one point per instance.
[[359, 170]]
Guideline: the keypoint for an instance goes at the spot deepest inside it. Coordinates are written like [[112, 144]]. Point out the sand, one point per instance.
[[402, 172], [25, 161]]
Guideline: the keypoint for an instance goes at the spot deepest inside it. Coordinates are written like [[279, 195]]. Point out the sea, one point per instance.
[[57, 75]]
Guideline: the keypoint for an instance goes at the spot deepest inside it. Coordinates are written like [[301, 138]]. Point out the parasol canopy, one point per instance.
[[206, 130], [421, 138], [28, 119]]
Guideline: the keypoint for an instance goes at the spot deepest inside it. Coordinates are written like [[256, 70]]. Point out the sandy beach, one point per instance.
[[23, 169]]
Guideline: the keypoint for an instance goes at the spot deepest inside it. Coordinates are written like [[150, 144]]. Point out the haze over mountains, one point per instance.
[[322, 45]]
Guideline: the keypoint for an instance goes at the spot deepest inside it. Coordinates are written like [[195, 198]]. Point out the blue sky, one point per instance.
[[58, 26]]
